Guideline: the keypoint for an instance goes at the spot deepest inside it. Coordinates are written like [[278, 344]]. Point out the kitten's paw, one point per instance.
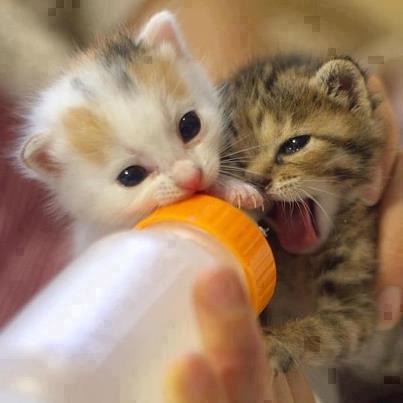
[[280, 359], [238, 193], [245, 196]]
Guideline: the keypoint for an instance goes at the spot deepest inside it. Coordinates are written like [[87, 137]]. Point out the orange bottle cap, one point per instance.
[[236, 231]]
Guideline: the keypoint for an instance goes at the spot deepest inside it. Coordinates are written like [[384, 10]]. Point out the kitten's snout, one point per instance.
[[187, 175]]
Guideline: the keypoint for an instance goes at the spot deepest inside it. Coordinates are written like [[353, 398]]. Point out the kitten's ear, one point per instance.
[[162, 28], [343, 81], [36, 155]]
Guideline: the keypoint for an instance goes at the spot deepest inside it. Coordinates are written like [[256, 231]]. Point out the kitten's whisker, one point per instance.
[[306, 207], [225, 147], [227, 169], [231, 156], [232, 166], [301, 201], [335, 195], [239, 169], [292, 208], [231, 143], [324, 191], [318, 180], [318, 204], [234, 172], [231, 175], [235, 160], [248, 149], [283, 207], [234, 141]]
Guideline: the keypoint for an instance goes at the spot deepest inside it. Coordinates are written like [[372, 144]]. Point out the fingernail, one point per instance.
[[389, 307], [223, 290]]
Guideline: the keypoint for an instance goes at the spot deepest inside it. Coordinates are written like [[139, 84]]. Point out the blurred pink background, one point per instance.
[[33, 245]]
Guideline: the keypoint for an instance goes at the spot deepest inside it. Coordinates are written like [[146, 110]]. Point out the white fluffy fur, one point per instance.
[[144, 122]]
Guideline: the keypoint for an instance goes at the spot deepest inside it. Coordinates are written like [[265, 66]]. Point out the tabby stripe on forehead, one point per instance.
[[351, 146]]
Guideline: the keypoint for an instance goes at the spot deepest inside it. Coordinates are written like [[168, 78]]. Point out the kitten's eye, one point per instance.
[[189, 126], [295, 144], [132, 176]]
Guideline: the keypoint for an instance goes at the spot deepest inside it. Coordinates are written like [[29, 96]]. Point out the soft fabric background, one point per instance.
[[33, 246]]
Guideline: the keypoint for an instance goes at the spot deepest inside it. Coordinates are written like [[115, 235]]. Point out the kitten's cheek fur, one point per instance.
[[209, 165]]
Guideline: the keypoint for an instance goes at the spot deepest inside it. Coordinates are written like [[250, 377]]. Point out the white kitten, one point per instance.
[[133, 124]]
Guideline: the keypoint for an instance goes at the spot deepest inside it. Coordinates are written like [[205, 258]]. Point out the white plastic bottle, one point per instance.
[[106, 328]]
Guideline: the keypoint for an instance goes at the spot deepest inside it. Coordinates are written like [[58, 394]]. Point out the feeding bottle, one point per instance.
[[106, 329]]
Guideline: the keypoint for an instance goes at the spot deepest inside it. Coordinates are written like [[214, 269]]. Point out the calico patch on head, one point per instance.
[[134, 124], [303, 130]]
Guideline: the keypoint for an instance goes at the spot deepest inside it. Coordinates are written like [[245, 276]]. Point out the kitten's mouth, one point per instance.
[[296, 225]]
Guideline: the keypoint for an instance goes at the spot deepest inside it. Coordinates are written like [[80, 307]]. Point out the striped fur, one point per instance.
[[324, 309]]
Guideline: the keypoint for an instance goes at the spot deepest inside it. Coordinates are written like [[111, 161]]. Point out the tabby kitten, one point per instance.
[[304, 131]]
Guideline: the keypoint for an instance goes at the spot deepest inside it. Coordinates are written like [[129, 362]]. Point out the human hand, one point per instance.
[[233, 367], [390, 279]]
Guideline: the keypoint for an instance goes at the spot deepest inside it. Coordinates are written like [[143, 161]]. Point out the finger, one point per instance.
[[281, 390], [385, 115], [299, 387], [390, 281], [192, 380], [231, 336]]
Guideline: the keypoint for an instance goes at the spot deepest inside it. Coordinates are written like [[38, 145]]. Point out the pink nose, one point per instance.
[[187, 176], [192, 182]]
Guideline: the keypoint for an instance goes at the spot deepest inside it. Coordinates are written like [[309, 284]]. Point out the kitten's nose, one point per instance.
[[187, 175]]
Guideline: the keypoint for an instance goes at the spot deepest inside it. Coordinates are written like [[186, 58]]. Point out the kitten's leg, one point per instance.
[[345, 318], [239, 194]]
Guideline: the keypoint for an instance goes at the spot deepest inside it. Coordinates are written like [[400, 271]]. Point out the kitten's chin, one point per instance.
[[297, 226]]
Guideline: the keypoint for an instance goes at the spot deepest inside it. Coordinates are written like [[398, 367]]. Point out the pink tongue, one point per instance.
[[294, 227]]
